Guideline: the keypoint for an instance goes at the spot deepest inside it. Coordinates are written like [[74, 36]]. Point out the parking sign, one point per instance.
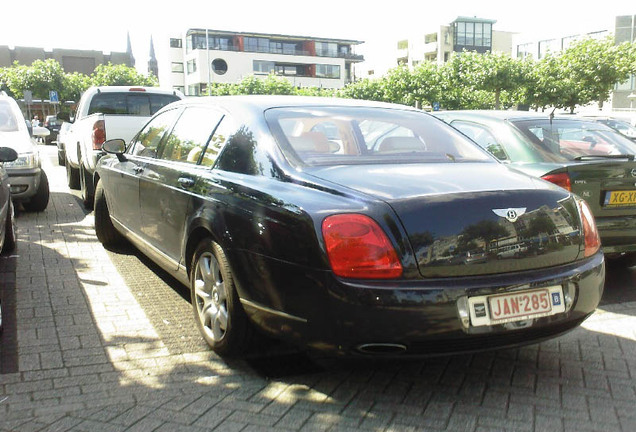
[[53, 97]]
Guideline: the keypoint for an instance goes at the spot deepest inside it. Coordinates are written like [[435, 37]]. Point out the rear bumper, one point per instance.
[[618, 234], [420, 318]]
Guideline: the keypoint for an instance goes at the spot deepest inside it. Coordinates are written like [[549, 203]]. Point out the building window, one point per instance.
[[254, 44], [547, 46], [403, 44], [327, 71], [473, 34], [192, 66], [263, 67], [179, 88], [326, 49], [177, 67], [194, 90], [219, 66], [219, 43], [430, 38], [176, 43], [524, 50]]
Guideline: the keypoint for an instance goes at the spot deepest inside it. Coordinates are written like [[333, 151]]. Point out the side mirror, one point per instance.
[[7, 154], [29, 127], [64, 116], [115, 146], [41, 132]]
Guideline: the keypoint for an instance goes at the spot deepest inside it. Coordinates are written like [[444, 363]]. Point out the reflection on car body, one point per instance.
[[380, 246]]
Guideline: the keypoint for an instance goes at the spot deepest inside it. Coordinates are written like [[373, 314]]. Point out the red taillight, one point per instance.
[[137, 89], [592, 238], [561, 179], [358, 248], [98, 135]]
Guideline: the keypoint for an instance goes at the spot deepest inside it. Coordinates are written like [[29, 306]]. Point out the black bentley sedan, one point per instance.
[[349, 227]]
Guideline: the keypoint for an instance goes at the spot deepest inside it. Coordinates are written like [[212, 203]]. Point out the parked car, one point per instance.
[[102, 113], [52, 123], [346, 244], [8, 230], [621, 125], [61, 139], [29, 183], [583, 156]]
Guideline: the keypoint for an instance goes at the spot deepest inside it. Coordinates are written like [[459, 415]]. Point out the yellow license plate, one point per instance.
[[620, 198]]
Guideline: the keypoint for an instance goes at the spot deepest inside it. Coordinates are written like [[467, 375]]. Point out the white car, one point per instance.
[[103, 113], [29, 183]]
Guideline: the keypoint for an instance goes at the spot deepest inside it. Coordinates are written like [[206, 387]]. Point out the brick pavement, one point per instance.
[[106, 342]]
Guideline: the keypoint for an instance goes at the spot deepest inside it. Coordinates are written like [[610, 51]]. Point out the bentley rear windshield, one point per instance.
[[357, 135]]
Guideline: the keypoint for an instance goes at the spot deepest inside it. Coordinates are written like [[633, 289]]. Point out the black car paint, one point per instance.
[[267, 215]]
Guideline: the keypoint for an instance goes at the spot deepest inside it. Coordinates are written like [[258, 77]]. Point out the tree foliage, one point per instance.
[[43, 76], [586, 72]]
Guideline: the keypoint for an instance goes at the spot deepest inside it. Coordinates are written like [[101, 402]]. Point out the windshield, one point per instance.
[[8, 122], [358, 135], [574, 139]]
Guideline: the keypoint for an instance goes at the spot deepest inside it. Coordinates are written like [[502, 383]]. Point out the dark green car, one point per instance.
[[583, 156]]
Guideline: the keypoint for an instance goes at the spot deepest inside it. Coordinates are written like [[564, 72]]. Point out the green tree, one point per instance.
[[596, 66], [111, 75]]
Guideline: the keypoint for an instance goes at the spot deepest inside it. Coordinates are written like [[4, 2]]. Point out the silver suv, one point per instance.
[[29, 183]]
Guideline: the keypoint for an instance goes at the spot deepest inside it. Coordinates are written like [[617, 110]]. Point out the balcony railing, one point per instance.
[[273, 50]]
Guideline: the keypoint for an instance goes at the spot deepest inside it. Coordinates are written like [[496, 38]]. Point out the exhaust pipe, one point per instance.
[[381, 348]]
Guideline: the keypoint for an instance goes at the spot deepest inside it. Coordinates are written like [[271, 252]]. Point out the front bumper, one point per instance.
[[421, 318], [24, 183]]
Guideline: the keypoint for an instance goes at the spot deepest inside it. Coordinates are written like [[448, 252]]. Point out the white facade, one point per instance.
[[194, 66]]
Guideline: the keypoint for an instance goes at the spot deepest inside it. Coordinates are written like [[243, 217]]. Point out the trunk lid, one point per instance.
[[472, 219]]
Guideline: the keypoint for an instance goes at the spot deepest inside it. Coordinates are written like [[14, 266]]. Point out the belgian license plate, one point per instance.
[[620, 198], [518, 306]]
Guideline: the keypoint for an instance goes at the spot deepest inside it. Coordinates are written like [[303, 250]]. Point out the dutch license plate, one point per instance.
[[620, 198], [518, 306]]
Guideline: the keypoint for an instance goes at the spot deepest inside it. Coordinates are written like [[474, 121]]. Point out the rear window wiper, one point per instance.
[[629, 157]]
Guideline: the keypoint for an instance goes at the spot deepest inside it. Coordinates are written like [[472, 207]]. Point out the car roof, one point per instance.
[[511, 115], [264, 102]]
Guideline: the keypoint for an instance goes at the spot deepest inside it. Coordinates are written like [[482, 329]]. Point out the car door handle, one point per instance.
[[185, 182], [138, 170]]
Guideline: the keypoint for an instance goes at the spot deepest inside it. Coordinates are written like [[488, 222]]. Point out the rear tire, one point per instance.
[[215, 303], [10, 232], [86, 187], [106, 232], [40, 200], [72, 176]]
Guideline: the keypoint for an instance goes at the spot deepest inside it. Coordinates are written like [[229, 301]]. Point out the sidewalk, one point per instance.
[[103, 342]]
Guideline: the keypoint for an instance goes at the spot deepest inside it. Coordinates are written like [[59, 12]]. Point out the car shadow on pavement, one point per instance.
[[106, 336]]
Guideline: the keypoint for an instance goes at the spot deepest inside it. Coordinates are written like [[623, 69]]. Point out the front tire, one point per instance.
[[215, 302], [10, 231], [104, 228], [40, 200]]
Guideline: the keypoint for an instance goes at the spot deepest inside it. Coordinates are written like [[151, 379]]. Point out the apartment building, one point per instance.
[[469, 33], [202, 57]]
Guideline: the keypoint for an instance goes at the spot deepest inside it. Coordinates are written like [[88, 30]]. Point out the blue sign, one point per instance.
[[436, 106], [53, 97]]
